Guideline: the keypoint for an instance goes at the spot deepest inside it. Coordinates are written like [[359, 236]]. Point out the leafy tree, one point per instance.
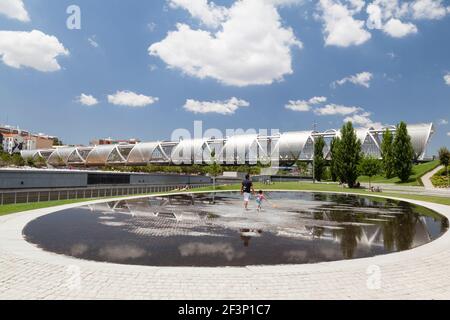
[[369, 166], [333, 167], [348, 155], [302, 167], [403, 153], [444, 159], [57, 142], [387, 153], [214, 170], [319, 161]]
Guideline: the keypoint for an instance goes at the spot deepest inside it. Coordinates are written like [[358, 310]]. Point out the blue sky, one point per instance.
[[275, 64]]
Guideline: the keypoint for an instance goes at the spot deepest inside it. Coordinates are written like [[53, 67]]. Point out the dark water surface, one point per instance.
[[214, 230]]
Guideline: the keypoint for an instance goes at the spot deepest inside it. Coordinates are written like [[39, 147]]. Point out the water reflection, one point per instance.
[[213, 230]]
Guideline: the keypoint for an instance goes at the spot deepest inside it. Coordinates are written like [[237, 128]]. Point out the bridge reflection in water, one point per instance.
[[207, 230]]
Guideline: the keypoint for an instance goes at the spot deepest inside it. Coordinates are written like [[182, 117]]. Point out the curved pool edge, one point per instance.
[[39, 253], [31, 273]]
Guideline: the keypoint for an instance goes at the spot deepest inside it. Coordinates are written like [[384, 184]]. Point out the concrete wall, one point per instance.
[[167, 179], [31, 179], [21, 179]]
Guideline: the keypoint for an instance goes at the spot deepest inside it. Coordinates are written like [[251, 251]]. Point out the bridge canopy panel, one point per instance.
[[101, 154], [291, 145], [142, 153], [420, 136]]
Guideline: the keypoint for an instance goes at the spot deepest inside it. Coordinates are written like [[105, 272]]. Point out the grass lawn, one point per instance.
[[13, 208], [305, 186], [418, 171]]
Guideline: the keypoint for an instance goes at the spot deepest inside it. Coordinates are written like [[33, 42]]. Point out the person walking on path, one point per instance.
[[247, 190]]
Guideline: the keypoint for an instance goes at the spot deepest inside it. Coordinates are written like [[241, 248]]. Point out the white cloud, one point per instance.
[[14, 9], [340, 27], [226, 107], [363, 120], [131, 99], [251, 47], [397, 29], [447, 79], [429, 9], [207, 12], [335, 109], [87, 100], [442, 122], [361, 79], [32, 49], [389, 15], [303, 105], [448, 133]]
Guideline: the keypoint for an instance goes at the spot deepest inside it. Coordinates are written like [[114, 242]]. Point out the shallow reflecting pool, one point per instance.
[[215, 230]]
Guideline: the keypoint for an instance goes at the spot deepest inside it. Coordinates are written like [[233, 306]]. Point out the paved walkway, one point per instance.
[[27, 272], [426, 179]]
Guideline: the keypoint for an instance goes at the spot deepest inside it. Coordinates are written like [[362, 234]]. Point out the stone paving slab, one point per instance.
[[27, 272]]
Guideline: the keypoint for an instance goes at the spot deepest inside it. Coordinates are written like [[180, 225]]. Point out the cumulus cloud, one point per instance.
[[390, 15], [305, 105], [207, 12], [336, 109], [251, 46], [226, 107], [32, 49], [398, 29], [87, 100], [14, 9], [447, 79], [363, 120], [131, 99], [357, 115], [361, 79], [442, 122], [340, 27], [429, 9]]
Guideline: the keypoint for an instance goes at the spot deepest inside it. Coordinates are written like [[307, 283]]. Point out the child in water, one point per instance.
[[259, 199]]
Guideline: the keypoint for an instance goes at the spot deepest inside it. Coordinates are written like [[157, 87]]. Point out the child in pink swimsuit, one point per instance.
[[259, 199]]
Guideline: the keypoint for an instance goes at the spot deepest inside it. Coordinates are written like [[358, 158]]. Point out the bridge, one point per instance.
[[283, 148]]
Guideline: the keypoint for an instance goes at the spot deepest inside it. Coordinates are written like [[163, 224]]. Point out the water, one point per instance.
[[215, 230]]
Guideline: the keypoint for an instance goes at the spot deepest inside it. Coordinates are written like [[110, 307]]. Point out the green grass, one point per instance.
[[294, 186], [418, 171], [14, 208]]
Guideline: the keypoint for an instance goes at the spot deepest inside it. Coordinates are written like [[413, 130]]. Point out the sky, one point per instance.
[[85, 69]]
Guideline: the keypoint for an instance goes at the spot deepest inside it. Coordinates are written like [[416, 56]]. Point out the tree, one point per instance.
[[369, 166], [347, 155], [444, 159], [403, 153], [333, 163], [57, 142], [387, 153], [214, 170], [319, 161]]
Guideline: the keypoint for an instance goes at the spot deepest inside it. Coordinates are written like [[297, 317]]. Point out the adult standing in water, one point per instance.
[[247, 190]]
